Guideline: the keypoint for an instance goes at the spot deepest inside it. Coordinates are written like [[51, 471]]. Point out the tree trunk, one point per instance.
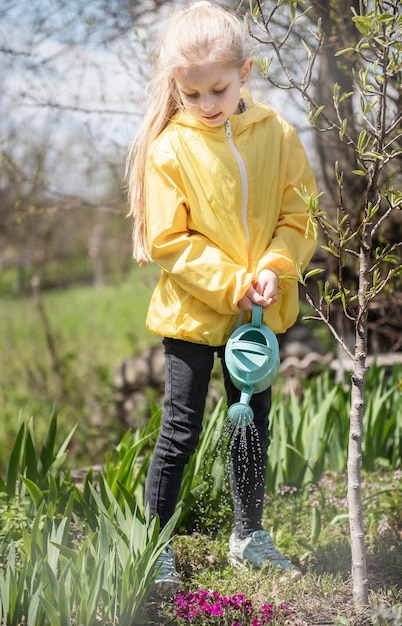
[[358, 549]]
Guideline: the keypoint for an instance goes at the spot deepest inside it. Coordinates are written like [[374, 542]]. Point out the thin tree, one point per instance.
[[363, 269]]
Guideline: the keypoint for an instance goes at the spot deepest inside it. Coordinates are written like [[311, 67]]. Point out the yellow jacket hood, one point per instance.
[[221, 206]]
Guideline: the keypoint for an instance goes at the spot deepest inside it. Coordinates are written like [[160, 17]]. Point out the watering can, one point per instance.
[[252, 359]]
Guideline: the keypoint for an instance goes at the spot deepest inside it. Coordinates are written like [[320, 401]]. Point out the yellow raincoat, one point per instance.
[[221, 206]]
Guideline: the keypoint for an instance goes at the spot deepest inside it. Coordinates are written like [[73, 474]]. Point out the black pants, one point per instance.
[[188, 369]]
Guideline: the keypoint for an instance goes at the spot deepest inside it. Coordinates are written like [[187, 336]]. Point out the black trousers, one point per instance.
[[188, 369]]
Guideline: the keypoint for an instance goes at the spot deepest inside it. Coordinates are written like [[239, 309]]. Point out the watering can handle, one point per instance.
[[256, 319], [252, 347]]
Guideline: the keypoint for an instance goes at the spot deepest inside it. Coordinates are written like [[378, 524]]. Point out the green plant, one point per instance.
[[13, 594], [110, 574], [91, 559], [382, 419], [41, 472], [309, 435], [301, 434], [127, 466]]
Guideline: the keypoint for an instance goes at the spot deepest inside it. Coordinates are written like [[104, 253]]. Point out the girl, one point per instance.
[[213, 180]]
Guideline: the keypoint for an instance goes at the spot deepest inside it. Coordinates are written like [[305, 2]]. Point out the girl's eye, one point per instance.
[[195, 95]]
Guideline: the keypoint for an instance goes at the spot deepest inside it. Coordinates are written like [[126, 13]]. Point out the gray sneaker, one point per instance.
[[167, 579], [258, 550]]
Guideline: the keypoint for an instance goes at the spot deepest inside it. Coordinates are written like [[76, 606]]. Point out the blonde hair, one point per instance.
[[195, 34]]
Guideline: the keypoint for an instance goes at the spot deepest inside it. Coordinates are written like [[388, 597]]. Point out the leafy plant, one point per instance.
[[382, 423], [110, 574], [41, 471], [92, 553], [127, 467], [309, 436]]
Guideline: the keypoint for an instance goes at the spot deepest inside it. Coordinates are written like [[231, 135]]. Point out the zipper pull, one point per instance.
[[228, 129]]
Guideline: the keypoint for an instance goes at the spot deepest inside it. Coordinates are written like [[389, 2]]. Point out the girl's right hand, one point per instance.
[[263, 292]]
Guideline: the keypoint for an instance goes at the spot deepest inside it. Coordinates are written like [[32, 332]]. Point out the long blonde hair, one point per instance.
[[195, 34]]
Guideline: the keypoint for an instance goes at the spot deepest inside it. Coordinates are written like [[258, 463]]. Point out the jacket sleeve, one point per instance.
[[293, 242], [190, 259]]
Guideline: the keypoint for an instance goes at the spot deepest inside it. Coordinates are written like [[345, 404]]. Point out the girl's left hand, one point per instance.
[[250, 298], [267, 286]]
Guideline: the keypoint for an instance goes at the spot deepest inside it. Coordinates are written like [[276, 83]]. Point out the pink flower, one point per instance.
[[211, 604]]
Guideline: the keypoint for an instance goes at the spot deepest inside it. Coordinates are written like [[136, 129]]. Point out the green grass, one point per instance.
[[92, 330], [109, 320], [324, 594]]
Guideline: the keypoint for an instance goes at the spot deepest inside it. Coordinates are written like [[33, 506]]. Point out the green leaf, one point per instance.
[[313, 272], [28, 461], [314, 116], [36, 494], [51, 611], [47, 455], [342, 129], [14, 462], [315, 525]]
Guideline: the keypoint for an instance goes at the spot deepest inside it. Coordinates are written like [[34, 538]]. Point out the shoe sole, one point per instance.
[[166, 587], [239, 563], [292, 572]]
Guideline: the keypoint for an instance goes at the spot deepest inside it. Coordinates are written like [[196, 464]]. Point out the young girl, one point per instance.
[[213, 180]]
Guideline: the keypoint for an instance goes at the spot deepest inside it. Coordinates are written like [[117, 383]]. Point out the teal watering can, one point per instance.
[[252, 358]]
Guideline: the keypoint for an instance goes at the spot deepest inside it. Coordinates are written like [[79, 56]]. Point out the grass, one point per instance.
[[324, 595], [92, 330]]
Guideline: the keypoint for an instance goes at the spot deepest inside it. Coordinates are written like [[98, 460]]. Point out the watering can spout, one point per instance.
[[246, 394], [240, 413]]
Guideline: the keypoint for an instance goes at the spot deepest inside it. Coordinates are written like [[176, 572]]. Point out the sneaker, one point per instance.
[[167, 579], [258, 550]]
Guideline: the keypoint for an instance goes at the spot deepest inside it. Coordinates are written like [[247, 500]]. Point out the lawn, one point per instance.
[[65, 354]]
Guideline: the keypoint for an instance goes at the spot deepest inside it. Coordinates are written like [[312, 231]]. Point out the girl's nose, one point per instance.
[[206, 103]]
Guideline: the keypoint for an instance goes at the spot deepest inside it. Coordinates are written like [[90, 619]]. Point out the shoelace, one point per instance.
[[265, 546], [166, 558], [166, 564]]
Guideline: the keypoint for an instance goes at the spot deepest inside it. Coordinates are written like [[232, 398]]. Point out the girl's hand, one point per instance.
[[267, 286], [251, 297], [263, 292]]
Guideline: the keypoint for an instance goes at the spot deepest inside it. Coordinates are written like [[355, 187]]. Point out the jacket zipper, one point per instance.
[[244, 193], [243, 176]]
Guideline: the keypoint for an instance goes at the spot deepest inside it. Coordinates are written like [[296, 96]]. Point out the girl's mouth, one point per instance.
[[211, 118]]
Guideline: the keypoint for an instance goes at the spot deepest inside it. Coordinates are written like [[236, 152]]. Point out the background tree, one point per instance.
[[339, 31], [363, 121], [72, 77], [73, 85], [339, 28]]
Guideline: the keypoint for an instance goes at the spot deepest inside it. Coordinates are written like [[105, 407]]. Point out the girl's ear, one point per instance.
[[245, 70]]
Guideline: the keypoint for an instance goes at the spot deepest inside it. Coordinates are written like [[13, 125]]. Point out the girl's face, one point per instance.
[[210, 92]]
